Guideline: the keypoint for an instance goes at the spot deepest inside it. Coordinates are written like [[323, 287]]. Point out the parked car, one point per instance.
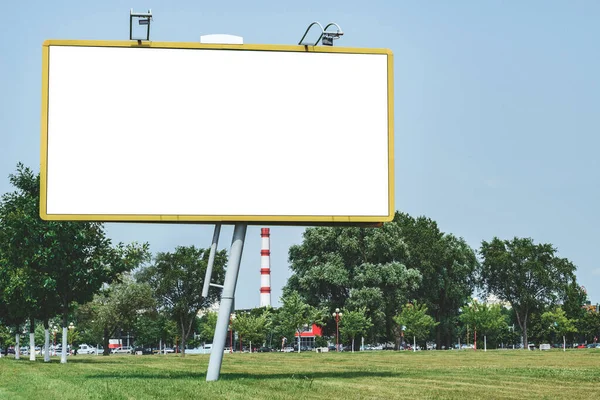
[[142, 350], [86, 349], [264, 350], [206, 349], [122, 350], [288, 349]]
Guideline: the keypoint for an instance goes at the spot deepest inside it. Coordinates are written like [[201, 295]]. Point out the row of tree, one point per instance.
[[411, 261], [406, 278], [48, 267]]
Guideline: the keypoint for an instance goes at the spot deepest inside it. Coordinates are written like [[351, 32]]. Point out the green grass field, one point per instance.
[[385, 374]]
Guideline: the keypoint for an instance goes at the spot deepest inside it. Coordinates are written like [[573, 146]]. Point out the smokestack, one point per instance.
[[265, 268]]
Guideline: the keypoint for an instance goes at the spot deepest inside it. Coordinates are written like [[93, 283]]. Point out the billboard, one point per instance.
[[211, 133]]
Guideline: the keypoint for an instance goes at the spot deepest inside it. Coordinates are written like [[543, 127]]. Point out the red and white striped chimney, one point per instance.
[[265, 268]]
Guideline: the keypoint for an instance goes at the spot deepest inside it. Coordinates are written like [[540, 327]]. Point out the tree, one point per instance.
[[251, 328], [589, 326], [355, 323], [153, 328], [381, 269], [22, 239], [354, 268], [89, 261], [175, 279], [527, 275], [6, 339], [71, 259], [415, 322], [574, 305], [295, 314], [14, 307], [208, 324], [557, 323], [485, 319], [117, 307], [270, 315], [448, 267]]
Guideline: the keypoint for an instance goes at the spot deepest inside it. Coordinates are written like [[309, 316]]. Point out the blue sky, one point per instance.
[[496, 108]]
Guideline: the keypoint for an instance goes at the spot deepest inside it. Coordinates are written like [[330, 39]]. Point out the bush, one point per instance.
[[320, 341]]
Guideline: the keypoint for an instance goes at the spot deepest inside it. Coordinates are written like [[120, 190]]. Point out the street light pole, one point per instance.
[[337, 315], [231, 318], [72, 330], [55, 331]]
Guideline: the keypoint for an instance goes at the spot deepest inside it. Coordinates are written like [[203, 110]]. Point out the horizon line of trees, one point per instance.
[[404, 279], [411, 261]]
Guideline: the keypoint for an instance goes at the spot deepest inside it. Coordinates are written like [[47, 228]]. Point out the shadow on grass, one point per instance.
[[56, 360], [92, 361], [238, 376]]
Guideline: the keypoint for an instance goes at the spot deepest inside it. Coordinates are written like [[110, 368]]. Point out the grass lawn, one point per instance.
[[495, 374]]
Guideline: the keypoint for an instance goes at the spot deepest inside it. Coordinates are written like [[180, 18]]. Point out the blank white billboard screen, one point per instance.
[[208, 134]]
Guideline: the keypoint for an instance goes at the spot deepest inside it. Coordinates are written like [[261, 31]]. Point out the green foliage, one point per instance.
[[7, 338], [574, 300], [39, 334], [208, 323], [527, 275], [589, 326], [354, 323], [353, 268], [115, 307], [381, 269], [294, 314], [557, 323], [416, 321], [26, 290], [194, 342], [320, 341], [53, 264], [448, 266], [153, 327], [251, 328], [175, 279], [487, 319]]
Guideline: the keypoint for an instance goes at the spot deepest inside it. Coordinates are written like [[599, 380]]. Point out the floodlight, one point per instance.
[[329, 37], [326, 38], [143, 19]]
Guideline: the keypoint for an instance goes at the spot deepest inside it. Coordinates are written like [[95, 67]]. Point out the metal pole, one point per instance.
[[231, 276], [337, 332], [230, 339], [211, 260]]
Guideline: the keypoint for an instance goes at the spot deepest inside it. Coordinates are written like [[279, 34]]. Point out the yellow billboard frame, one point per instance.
[[210, 219]]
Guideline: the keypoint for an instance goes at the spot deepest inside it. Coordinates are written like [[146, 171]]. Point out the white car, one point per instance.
[[86, 349], [122, 350], [202, 350]]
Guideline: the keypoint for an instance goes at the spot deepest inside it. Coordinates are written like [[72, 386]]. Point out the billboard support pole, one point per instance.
[[227, 296], [211, 260]]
